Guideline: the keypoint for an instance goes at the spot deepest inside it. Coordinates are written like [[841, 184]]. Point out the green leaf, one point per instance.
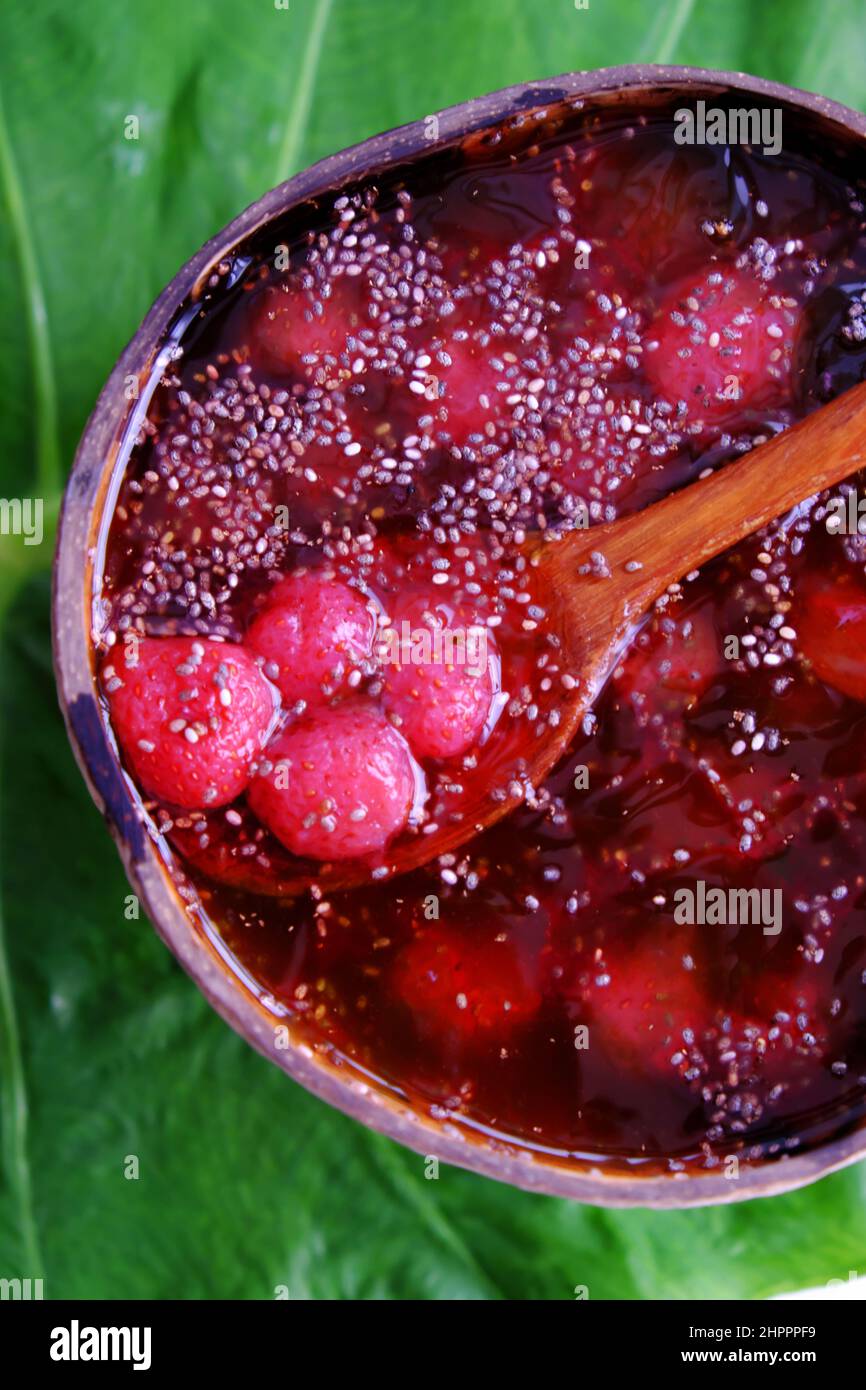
[[107, 1050]]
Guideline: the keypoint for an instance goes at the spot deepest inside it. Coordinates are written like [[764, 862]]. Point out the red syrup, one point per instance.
[[537, 330]]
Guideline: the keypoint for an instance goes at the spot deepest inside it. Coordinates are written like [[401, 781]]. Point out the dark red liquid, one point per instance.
[[706, 761]]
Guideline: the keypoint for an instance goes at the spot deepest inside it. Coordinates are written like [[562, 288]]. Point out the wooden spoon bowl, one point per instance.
[[597, 584]]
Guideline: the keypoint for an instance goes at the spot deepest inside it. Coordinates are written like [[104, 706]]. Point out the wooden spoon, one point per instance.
[[593, 616]]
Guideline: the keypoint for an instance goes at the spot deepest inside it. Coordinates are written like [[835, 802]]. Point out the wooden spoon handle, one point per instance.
[[688, 528]]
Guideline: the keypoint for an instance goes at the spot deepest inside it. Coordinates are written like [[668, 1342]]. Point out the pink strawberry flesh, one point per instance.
[[190, 716], [439, 685], [831, 625], [313, 631], [724, 345], [464, 988], [339, 785]]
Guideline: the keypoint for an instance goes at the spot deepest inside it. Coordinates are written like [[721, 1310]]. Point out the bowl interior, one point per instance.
[[171, 902]]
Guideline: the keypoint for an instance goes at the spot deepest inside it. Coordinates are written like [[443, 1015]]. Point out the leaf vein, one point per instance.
[[48, 475], [299, 112], [14, 1112], [673, 22]]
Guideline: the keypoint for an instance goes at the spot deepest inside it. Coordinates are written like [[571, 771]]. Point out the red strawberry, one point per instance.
[[649, 1003], [190, 716], [683, 661], [339, 784], [659, 209], [313, 631], [292, 322], [471, 395], [454, 380], [779, 994], [465, 987], [831, 626], [439, 676], [724, 345], [781, 1021], [604, 440]]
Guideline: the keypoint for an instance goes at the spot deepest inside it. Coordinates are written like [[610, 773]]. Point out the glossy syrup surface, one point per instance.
[[538, 983]]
